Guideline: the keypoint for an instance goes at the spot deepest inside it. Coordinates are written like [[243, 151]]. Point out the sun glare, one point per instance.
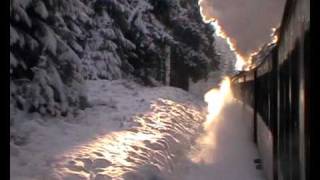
[[216, 98]]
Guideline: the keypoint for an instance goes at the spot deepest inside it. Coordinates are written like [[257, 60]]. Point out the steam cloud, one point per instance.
[[248, 22]]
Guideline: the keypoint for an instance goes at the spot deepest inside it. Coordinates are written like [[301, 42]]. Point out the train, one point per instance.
[[276, 88]]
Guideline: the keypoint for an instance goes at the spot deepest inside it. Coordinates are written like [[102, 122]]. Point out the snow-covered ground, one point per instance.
[[133, 132], [230, 152], [128, 130]]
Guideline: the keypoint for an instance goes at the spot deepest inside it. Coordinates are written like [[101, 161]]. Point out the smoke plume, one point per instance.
[[248, 22]]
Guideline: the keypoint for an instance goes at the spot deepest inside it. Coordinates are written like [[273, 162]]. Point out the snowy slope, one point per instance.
[[132, 132], [129, 131]]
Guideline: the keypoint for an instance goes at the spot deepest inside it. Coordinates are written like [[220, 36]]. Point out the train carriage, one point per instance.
[[277, 90]]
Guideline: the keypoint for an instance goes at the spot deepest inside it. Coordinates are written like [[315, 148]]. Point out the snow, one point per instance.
[[13, 60], [48, 39], [123, 120], [76, 46], [75, 28], [141, 7], [227, 56], [32, 43], [129, 35], [14, 36], [131, 131], [200, 87], [67, 54], [230, 152], [109, 33], [128, 131], [226, 68], [41, 9], [22, 15], [107, 64]]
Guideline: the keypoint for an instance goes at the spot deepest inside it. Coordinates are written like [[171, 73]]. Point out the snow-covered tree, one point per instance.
[[55, 45]]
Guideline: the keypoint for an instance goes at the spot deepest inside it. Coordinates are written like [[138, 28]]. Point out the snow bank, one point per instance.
[[129, 132]]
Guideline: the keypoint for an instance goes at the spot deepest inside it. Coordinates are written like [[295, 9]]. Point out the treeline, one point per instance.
[[55, 45]]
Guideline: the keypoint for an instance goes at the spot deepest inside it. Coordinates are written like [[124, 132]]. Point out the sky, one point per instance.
[[247, 22]]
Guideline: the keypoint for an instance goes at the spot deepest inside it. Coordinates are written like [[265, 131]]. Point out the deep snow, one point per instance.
[[129, 128], [230, 153], [135, 132]]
